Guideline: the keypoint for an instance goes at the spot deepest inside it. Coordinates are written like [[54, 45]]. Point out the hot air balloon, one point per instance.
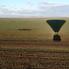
[[56, 26]]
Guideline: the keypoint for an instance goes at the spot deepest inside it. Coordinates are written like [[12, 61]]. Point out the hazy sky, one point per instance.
[[22, 8]]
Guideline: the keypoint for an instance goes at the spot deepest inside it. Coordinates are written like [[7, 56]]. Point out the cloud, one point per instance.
[[54, 10], [43, 8]]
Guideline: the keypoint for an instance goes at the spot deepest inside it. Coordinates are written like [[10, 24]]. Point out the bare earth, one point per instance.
[[34, 54]]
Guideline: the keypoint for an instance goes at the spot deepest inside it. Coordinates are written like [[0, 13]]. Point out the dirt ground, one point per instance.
[[34, 54]]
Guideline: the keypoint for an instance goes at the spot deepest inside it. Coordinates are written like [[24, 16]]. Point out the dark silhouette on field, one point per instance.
[[56, 26]]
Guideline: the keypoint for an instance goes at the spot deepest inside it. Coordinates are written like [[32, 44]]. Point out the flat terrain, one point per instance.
[[35, 44], [32, 49], [34, 54], [18, 29]]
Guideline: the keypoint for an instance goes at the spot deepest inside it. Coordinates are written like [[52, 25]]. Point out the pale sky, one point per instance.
[[24, 8]]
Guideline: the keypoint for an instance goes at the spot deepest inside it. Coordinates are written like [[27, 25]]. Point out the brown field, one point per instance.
[[32, 49], [34, 54], [39, 29]]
